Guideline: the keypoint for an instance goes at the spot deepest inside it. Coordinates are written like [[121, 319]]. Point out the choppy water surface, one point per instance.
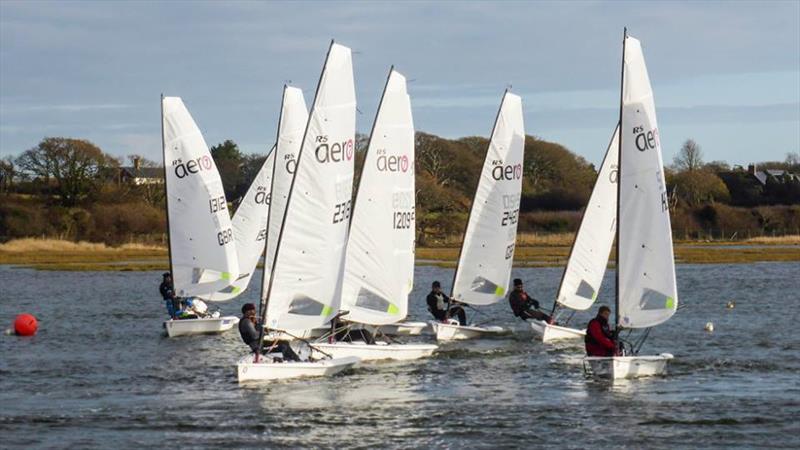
[[100, 374]]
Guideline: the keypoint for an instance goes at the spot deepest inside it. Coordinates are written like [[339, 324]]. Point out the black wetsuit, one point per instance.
[[167, 291], [250, 336], [521, 303], [442, 314]]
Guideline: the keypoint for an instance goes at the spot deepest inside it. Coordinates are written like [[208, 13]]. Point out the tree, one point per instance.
[[689, 158], [717, 166], [74, 164], [228, 159], [697, 187]]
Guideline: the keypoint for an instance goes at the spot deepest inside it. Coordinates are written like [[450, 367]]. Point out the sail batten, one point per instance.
[[305, 287], [647, 286], [379, 267], [487, 253], [202, 243]]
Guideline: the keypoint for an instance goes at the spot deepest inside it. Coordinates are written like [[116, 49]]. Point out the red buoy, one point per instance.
[[25, 325]]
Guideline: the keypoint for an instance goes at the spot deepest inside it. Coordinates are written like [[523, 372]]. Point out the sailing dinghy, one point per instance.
[[588, 257], [379, 264], [202, 253], [487, 253], [303, 288], [647, 294]]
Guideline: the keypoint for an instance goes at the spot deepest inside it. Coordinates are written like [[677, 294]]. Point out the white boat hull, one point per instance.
[[404, 329], [210, 325], [265, 369], [551, 333], [374, 352], [619, 367], [451, 332]]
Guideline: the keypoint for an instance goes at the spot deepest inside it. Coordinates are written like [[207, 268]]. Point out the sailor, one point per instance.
[[599, 338], [443, 307], [522, 304], [167, 290], [248, 330]]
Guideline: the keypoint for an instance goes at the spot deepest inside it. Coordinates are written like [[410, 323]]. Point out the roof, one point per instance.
[[144, 172]]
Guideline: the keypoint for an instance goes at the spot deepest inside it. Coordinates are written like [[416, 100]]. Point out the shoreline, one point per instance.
[[81, 257]]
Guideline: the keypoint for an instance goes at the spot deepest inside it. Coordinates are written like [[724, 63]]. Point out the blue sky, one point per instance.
[[724, 73]]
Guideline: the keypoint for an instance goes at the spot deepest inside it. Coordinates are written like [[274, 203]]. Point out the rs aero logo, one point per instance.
[[392, 163], [646, 140], [333, 152], [508, 172], [182, 170]]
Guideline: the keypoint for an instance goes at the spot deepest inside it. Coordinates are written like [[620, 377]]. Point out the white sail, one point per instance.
[[589, 257], [201, 239], [249, 230], [647, 291], [379, 267], [487, 253], [291, 126], [306, 285]]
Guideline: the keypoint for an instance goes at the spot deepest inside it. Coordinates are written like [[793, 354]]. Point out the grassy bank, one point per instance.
[[534, 251]]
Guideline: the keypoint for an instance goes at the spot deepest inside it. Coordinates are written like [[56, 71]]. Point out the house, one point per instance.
[[138, 175], [762, 176]]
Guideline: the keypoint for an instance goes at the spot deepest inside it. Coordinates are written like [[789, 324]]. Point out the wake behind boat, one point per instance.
[[487, 252]]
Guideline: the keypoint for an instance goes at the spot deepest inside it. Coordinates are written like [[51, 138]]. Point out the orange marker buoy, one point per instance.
[[25, 325]]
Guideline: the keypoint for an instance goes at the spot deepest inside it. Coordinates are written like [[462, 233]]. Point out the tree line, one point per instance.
[[70, 188]]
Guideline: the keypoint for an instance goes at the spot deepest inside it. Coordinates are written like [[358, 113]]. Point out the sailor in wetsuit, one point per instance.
[[522, 304], [443, 307], [248, 330], [167, 290]]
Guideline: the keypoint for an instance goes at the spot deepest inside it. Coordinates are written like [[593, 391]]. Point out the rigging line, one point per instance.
[[310, 345]]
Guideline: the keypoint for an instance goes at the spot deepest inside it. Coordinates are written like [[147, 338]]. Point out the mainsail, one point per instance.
[[487, 253], [592, 247], [306, 284], [647, 291], [250, 230], [202, 249], [379, 268], [291, 126]]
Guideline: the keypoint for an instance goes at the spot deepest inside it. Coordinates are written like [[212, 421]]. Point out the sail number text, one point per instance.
[[341, 212], [217, 204], [225, 236]]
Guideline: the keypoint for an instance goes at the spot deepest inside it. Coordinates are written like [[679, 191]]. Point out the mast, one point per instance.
[[289, 195], [477, 186], [619, 180], [166, 192]]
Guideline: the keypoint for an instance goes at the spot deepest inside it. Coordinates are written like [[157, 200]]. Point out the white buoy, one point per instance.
[[731, 304], [709, 327]]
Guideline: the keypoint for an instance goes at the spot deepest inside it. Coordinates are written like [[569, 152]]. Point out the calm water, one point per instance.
[[100, 375]]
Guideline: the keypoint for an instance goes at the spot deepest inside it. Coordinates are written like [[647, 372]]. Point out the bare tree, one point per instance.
[[429, 158], [690, 157], [76, 166]]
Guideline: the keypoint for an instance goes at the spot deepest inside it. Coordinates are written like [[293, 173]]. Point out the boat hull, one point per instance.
[[550, 333], [265, 369], [621, 367], [374, 352], [452, 332], [405, 329], [210, 325]]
